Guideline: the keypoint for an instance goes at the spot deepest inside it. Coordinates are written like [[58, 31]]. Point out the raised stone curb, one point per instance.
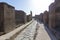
[[11, 35]]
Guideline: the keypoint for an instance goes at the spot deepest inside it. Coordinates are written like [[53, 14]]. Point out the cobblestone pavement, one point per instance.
[[28, 33], [42, 34], [36, 31]]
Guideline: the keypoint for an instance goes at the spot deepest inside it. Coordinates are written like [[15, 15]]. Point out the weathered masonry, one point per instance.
[[54, 17], [20, 17], [41, 17], [7, 17], [54, 14], [29, 17], [37, 17], [46, 18]]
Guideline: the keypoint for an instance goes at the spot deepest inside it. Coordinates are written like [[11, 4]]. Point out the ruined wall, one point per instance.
[[1, 18], [54, 14], [20, 17], [41, 17], [9, 18], [37, 17], [29, 17], [46, 18], [57, 14]]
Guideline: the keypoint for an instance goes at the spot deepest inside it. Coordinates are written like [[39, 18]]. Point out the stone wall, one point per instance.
[[8, 17], [20, 17], [54, 14], [41, 17], [54, 18], [29, 17], [46, 18], [37, 17], [1, 17]]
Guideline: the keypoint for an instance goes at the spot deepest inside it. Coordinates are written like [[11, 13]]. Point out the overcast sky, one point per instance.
[[36, 6]]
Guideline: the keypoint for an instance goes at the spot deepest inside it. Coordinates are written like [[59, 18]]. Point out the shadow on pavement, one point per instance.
[[50, 33]]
